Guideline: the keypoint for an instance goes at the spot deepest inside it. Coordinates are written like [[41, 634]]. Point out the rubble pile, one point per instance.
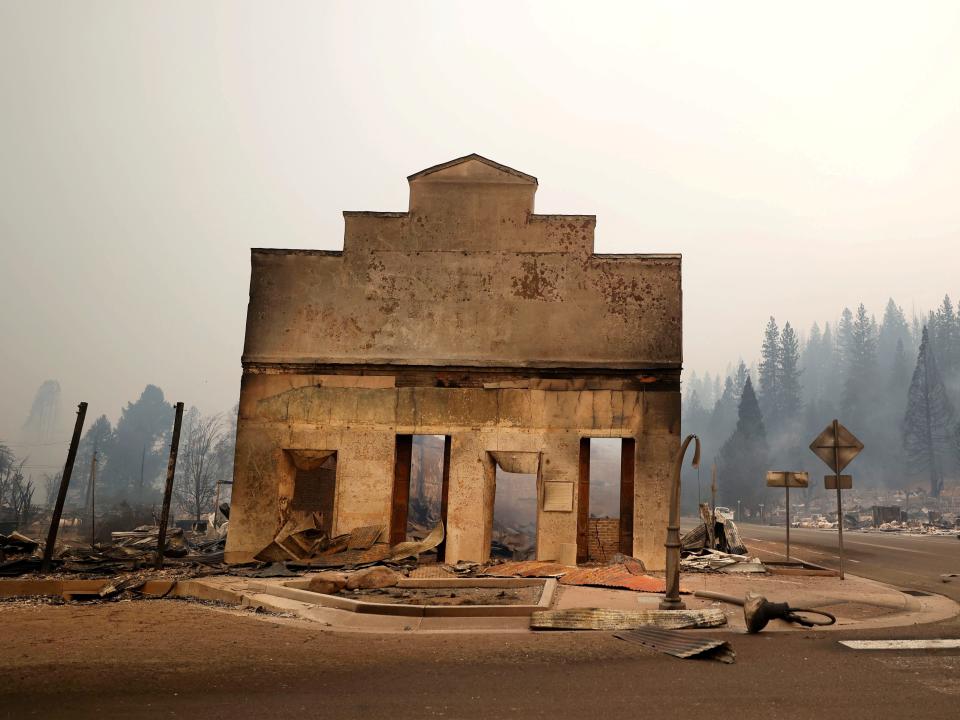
[[715, 546], [302, 545], [127, 552]]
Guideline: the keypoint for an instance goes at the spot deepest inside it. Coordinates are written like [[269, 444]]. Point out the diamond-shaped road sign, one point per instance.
[[836, 443]]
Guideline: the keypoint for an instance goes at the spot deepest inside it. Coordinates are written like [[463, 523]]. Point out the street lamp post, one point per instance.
[[739, 514], [761, 513], [671, 598]]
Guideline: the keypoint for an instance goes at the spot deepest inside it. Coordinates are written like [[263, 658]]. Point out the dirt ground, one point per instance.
[[171, 658]]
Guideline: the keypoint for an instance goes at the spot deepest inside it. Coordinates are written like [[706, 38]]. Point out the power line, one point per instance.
[[22, 444]]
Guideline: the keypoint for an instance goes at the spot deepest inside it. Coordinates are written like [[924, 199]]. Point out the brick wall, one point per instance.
[[604, 538]]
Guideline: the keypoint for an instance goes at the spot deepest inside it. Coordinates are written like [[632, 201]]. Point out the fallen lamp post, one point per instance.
[[758, 611]]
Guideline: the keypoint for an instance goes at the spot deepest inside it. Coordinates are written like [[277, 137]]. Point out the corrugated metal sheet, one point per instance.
[[362, 538], [528, 568], [615, 576], [431, 571], [376, 553], [680, 644], [602, 619]]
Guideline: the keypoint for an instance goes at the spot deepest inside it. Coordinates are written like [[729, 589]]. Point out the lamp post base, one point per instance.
[[668, 604]]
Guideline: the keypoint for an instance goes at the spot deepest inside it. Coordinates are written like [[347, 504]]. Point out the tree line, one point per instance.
[[131, 462], [893, 383]]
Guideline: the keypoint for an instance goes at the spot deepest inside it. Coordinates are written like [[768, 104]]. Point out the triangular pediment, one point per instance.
[[473, 168]]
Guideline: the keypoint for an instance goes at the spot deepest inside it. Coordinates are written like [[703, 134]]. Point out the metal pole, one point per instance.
[[836, 469], [93, 500], [64, 484], [788, 519], [168, 489]]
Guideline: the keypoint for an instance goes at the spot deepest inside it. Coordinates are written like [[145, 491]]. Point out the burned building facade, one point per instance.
[[471, 318]]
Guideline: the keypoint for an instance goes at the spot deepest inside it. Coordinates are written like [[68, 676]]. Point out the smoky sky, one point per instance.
[[801, 156]]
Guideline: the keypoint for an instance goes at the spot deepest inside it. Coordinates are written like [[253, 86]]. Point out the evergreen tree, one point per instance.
[[899, 371], [769, 373], [139, 446], [743, 458], [723, 419], [831, 368], [789, 374], [928, 422], [893, 332], [861, 367], [98, 438], [812, 363], [946, 339], [845, 337], [740, 379]]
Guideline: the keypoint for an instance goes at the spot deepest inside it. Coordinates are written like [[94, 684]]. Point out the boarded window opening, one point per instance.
[[606, 496], [314, 485], [514, 535]]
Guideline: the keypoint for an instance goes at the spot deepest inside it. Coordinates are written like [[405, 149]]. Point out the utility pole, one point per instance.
[[168, 488], [93, 499], [216, 504], [64, 485], [713, 489]]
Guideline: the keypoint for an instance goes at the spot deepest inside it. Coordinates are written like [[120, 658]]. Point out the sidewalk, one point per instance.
[[857, 603]]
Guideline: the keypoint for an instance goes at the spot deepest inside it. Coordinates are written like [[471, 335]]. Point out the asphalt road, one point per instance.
[[903, 561], [172, 659]]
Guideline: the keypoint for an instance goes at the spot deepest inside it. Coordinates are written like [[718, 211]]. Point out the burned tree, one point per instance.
[[196, 482]]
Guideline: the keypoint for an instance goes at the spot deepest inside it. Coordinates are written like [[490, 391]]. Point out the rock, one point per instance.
[[374, 577], [328, 583]]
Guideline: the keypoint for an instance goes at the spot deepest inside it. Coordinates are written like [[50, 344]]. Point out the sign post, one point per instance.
[[787, 480], [837, 446]]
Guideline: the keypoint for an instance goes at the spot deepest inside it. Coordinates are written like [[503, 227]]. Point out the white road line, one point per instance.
[[936, 644]]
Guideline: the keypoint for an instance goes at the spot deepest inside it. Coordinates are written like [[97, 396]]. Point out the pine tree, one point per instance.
[[743, 458], [790, 400], [893, 332], [812, 363], [831, 367], [899, 371], [769, 373], [740, 379], [723, 419], [694, 414], [861, 365], [845, 337], [946, 339], [928, 422]]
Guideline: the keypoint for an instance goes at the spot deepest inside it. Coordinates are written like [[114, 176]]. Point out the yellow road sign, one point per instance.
[[836, 445]]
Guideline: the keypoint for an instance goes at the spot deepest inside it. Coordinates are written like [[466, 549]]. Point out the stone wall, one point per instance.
[[469, 316]]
